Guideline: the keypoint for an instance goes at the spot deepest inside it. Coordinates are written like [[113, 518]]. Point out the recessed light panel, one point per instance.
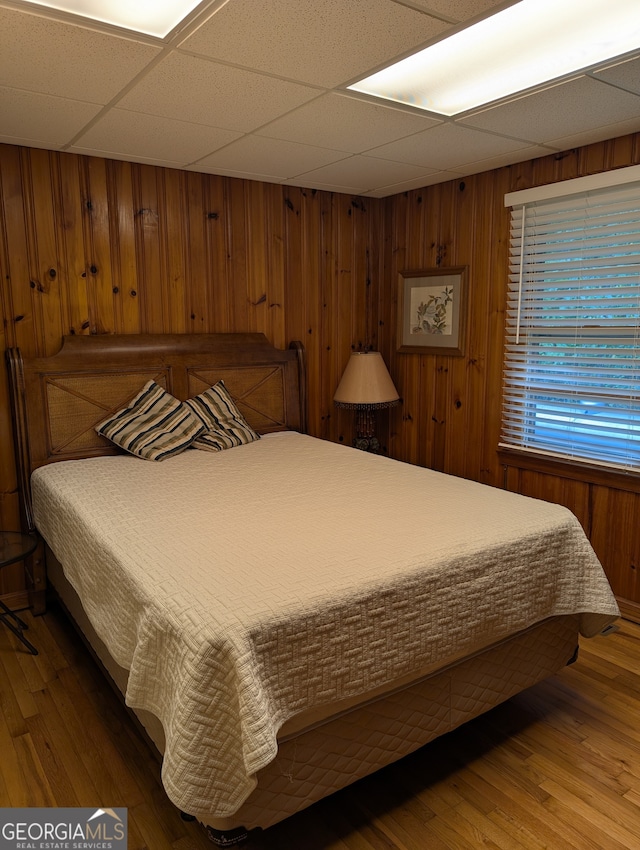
[[525, 45], [151, 17]]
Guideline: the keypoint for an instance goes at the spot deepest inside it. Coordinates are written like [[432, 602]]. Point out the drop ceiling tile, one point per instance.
[[247, 174], [364, 173], [458, 10], [271, 156], [323, 42], [309, 184], [624, 74], [417, 183], [60, 59], [134, 134], [611, 131], [520, 155], [345, 123], [559, 111], [446, 146], [144, 160], [204, 92], [45, 120]]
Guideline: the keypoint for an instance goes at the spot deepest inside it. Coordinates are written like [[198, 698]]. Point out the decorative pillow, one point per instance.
[[154, 425], [225, 425]]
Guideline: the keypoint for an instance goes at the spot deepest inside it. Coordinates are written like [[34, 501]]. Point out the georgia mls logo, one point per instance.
[[63, 829]]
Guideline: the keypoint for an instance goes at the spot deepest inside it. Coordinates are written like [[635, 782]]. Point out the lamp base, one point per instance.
[[365, 438], [367, 444]]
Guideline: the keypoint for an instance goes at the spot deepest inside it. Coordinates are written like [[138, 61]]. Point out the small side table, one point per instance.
[[15, 546]]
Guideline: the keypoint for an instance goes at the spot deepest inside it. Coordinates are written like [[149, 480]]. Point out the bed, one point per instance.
[[290, 615]]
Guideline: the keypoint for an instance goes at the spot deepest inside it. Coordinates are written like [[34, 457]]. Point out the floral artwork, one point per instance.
[[431, 310]]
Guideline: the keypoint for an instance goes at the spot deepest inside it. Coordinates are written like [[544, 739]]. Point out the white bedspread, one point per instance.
[[242, 587]]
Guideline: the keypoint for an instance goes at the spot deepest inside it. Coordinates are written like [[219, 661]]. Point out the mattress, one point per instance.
[[322, 756], [240, 589]]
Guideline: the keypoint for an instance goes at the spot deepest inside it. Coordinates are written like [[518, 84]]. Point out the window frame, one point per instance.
[[524, 361]]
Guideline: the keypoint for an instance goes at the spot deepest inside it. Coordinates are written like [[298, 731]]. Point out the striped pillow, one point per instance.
[[154, 425], [225, 425]]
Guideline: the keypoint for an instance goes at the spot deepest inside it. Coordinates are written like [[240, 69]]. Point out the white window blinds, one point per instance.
[[571, 385]]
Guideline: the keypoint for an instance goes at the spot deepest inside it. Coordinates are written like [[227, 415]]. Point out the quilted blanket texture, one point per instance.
[[242, 587]]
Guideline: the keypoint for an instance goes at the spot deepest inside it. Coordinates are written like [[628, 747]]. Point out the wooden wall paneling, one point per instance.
[[99, 239], [237, 254], [574, 495], [402, 427], [417, 373], [594, 158], [205, 254], [385, 318], [615, 538], [275, 271], [433, 418], [48, 274], [216, 265], [311, 288], [22, 330], [173, 248], [124, 250], [256, 223], [12, 580], [74, 305], [336, 334], [8, 477], [492, 264], [354, 269], [471, 403], [350, 297], [455, 451], [455, 233], [624, 150], [147, 288], [295, 275]]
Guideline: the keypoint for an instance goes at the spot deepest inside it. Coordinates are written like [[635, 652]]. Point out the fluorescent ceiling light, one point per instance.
[[527, 44], [151, 17]]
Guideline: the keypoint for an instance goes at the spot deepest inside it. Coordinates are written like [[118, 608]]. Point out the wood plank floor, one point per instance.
[[557, 767]]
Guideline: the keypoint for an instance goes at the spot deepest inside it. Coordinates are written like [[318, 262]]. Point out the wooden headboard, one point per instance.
[[58, 400]]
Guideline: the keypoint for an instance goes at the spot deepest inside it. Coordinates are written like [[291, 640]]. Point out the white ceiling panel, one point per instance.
[[42, 119], [559, 111], [611, 131], [417, 183], [67, 61], [295, 38], [272, 156], [446, 146], [457, 10], [131, 134], [626, 75], [258, 89], [204, 92], [509, 158], [345, 123], [364, 172]]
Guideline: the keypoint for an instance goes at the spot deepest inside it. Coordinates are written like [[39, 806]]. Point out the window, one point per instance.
[[571, 386]]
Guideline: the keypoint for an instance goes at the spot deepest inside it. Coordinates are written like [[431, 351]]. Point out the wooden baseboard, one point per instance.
[[629, 610]]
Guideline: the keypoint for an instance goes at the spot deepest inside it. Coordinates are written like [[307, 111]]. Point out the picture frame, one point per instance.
[[432, 311]]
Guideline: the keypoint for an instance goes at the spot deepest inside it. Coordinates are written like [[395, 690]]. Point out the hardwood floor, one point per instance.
[[557, 767]]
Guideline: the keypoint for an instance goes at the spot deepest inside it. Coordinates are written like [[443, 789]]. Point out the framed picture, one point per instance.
[[432, 311]]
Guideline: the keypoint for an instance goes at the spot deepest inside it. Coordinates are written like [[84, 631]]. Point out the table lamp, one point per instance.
[[365, 387]]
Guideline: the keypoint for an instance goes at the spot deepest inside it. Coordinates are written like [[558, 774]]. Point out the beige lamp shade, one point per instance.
[[366, 382]]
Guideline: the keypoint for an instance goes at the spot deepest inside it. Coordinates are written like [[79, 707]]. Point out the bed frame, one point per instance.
[[57, 401]]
